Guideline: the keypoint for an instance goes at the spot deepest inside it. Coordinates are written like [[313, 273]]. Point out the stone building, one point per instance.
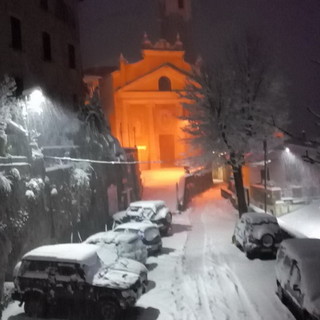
[[39, 46]]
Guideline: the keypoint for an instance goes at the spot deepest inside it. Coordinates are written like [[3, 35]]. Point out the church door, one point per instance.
[[166, 145]]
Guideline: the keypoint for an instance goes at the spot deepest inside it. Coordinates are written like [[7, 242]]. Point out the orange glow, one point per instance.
[[162, 177], [145, 115], [278, 134]]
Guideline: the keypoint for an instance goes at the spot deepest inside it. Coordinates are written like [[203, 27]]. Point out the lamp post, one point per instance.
[[33, 103]]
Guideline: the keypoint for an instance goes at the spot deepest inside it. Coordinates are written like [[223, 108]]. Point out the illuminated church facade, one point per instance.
[[142, 100]]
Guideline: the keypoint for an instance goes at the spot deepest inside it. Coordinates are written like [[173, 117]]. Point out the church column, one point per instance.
[[153, 143], [123, 126]]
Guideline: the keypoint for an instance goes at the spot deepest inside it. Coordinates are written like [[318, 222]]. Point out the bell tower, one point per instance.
[[175, 18]]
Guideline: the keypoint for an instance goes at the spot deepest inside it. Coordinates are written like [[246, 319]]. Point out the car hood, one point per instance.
[[116, 279], [129, 265]]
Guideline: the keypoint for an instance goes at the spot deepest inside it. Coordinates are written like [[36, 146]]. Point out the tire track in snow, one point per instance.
[[216, 292]]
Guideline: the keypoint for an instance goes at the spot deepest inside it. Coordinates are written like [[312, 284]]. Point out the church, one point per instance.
[[142, 100]]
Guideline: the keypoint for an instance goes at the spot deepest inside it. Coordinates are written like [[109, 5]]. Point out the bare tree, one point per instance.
[[232, 108]]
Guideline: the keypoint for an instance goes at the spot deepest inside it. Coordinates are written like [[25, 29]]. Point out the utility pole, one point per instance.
[[265, 174]]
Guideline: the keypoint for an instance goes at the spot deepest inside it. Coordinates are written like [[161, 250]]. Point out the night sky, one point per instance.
[[290, 27]]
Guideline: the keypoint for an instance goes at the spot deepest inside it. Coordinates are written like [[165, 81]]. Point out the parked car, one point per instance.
[[298, 276], [154, 210], [257, 233], [84, 274], [125, 245], [147, 231]]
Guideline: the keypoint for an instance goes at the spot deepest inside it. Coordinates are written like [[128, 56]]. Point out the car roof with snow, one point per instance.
[[111, 237], [143, 225], [259, 217], [67, 252], [147, 204]]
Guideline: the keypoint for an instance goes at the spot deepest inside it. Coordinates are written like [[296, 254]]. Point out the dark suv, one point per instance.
[[74, 275]]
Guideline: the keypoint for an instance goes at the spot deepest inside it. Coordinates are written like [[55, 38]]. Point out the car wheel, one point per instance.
[[34, 306], [267, 240], [109, 310]]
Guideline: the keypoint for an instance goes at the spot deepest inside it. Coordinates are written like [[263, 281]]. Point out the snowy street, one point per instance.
[[200, 274], [204, 276]]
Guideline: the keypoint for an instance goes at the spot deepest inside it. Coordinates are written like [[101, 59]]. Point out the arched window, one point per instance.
[[164, 84]]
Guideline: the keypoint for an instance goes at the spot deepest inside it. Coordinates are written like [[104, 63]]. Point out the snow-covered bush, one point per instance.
[[14, 172], [34, 188], [5, 184], [19, 221], [80, 178]]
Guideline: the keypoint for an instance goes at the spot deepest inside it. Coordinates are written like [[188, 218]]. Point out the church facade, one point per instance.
[[142, 100], [147, 103]]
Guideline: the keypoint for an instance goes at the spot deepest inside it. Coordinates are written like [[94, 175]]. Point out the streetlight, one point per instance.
[[34, 100]]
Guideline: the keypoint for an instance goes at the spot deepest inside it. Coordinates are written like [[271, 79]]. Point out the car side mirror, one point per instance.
[[296, 288]]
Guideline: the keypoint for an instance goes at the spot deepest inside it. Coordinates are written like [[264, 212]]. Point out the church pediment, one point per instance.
[[150, 80]]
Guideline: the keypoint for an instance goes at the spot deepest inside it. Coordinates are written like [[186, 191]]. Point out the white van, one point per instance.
[[298, 276]]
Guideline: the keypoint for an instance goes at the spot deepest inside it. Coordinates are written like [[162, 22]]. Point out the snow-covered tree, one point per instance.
[[7, 100], [233, 107]]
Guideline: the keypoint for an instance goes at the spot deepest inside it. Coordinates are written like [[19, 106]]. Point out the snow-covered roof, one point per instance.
[[147, 204], [142, 226], [71, 252], [256, 217], [110, 237], [304, 222]]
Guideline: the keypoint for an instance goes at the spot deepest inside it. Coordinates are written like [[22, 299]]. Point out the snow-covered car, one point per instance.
[[298, 276], [155, 211], [62, 274], [125, 245], [257, 233], [147, 231]]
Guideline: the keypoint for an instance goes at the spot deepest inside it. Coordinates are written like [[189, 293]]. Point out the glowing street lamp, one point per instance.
[[34, 100]]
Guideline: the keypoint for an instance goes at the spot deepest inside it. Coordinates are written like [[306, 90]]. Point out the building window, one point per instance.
[[71, 56], [16, 33], [164, 84], [46, 46], [44, 4], [181, 4]]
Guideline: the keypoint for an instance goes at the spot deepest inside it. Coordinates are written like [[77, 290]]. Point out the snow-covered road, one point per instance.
[[200, 275]]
